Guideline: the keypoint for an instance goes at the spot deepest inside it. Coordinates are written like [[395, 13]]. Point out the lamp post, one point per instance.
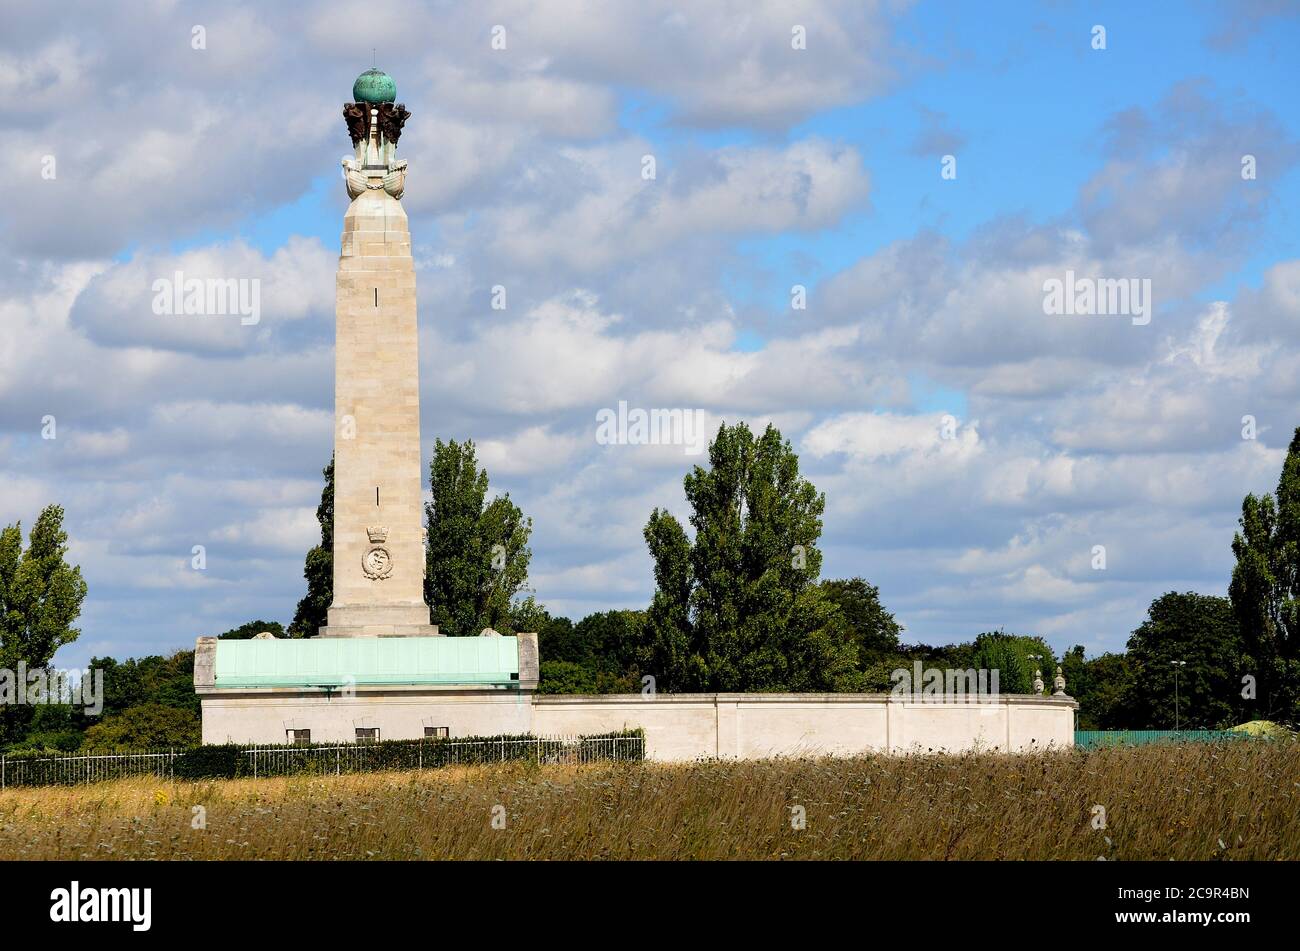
[[1178, 665]]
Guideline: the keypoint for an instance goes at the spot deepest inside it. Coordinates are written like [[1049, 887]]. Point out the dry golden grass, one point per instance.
[[1234, 801]]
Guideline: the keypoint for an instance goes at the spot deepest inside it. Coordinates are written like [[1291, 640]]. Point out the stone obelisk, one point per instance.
[[378, 503]]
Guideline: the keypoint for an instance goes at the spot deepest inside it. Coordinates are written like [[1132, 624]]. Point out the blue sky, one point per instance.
[[776, 168]]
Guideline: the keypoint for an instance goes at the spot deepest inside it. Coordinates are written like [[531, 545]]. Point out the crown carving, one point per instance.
[[377, 533]]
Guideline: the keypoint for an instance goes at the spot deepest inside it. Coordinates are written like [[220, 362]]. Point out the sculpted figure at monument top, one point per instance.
[[375, 125]]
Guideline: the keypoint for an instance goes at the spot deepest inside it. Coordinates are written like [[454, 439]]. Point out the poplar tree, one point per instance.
[[313, 609], [40, 593], [40, 599], [476, 551], [1265, 591], [739, 608]]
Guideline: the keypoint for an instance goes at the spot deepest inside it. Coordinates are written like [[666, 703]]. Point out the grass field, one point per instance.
[[1231, 801]]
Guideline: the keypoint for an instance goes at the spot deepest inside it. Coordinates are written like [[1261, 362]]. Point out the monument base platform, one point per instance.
[[378, 620], [380, 630]]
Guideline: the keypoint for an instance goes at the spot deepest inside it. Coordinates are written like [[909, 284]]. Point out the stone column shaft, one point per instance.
[[378, 498]]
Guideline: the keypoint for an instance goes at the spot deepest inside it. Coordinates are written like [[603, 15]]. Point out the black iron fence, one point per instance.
[[232, 761]]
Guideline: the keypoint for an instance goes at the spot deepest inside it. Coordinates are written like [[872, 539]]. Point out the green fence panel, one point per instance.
[[1097, 738]]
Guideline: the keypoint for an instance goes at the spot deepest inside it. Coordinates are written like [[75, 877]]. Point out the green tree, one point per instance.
[[40, 593], [40, 599], [313, 610], [613, 643], [668, 621], [739, 608], [602, 653], [557, 641], [1012, 656], [154, 679], [52, 727], [477, 550], [1200, 630], [144, 726], [1265, 591], [250, 629], [1102, 686], [565, 676], [1110, 689], [873, 629], [526, 614]]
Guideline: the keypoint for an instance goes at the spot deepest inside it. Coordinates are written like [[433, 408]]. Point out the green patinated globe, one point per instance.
[[374, 85]]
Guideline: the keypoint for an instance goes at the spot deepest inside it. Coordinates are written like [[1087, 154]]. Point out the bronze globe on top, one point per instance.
[[374, 85]]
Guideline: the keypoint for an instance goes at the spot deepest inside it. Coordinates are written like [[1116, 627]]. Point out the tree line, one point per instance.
[[739, 604]]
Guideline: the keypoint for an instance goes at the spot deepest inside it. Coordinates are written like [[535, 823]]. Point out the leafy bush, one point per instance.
[[51, 741], [566, 676], [215, 761], [145, 725]]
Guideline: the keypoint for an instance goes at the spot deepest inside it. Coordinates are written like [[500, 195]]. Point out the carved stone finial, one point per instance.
[[1038, 681], [1059, 683]]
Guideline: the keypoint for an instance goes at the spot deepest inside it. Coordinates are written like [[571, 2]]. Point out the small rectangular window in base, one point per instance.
[[299, 737], [437, 732], [367, 734]]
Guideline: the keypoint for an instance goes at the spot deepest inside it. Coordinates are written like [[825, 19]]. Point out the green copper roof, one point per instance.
[[374, 85], [339, 661]]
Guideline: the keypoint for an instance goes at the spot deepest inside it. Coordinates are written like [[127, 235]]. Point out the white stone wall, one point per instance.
[[678, 727], [264, 716], [682, 727]]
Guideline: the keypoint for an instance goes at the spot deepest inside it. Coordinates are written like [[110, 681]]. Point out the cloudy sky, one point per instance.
[[132, 154]]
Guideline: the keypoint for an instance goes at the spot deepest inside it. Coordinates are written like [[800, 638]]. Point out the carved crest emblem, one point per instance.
[[377, 562]]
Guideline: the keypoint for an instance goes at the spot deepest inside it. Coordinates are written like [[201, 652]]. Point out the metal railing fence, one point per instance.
[[58, 769], [65, 769], [432, 754]]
